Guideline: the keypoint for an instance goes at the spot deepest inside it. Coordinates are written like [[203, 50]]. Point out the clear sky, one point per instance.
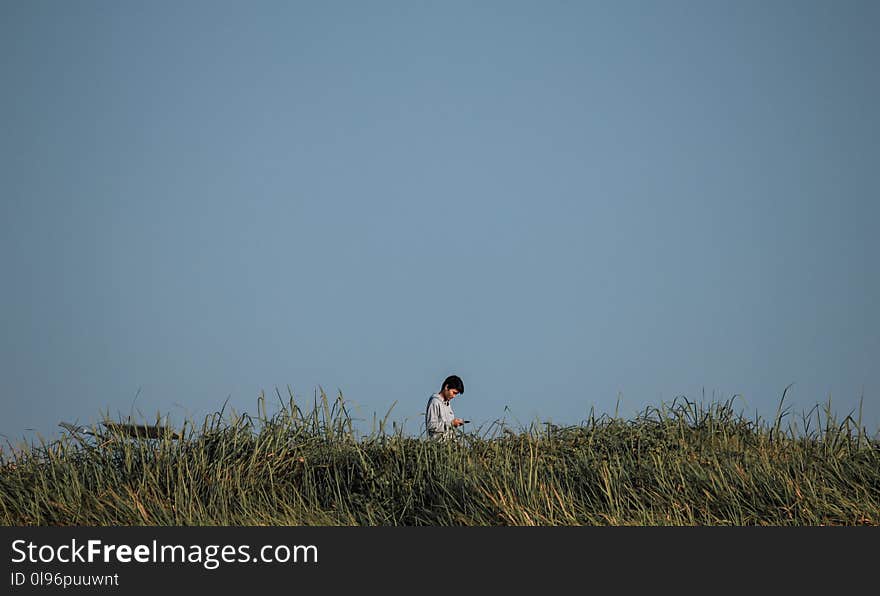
[[569, 204]]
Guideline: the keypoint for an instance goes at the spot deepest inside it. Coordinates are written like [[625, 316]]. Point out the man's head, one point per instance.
[[451, 387]]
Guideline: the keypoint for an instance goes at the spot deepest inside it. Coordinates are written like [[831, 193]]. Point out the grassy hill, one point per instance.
[[678, 464]]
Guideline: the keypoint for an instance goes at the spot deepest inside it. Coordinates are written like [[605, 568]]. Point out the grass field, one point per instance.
[[682, 463]]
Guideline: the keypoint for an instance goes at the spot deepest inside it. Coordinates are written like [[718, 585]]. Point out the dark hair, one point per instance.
[[453, 382]]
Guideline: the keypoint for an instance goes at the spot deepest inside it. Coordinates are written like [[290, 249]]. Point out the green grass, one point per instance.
[[682, 463]]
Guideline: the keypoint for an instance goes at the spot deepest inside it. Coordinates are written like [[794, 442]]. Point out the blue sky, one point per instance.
[[571, 205]]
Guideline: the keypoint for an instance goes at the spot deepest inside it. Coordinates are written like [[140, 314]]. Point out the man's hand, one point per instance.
[[457, 422]]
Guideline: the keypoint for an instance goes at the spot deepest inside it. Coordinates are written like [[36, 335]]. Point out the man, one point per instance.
[[440, 420]]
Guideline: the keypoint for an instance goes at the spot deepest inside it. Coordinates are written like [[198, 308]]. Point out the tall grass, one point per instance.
[[683, 463]]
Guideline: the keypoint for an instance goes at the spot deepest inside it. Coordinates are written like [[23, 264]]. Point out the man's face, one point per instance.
[[449, 393]]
